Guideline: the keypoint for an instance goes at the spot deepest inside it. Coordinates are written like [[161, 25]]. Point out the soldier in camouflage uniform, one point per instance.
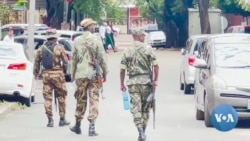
[[86, 48], [53, 79], [137, 60]]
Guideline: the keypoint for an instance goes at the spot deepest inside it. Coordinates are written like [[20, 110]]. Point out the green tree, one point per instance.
[[5, 12], [152, 10], [94, 8]]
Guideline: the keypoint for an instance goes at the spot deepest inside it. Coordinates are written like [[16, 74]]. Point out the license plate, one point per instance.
[[248, 104]]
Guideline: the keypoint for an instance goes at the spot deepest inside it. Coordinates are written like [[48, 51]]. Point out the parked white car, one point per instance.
[[222, 76], [16, 73], [68, 34], [157, 39], [187, 70]]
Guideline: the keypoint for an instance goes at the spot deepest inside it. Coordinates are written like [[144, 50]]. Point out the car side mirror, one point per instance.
[[183, 51], [200, 63]]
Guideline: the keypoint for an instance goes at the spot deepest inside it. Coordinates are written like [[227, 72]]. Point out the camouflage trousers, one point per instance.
[[86, 90], [138, 103], [54, 80]]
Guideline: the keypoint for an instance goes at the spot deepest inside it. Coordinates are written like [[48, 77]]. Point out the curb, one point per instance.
[[5, 108]]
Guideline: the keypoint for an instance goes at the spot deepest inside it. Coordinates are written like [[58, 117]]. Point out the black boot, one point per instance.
[[142, 136], [76, 128], [92, 131], [50, 122], [63, 122]]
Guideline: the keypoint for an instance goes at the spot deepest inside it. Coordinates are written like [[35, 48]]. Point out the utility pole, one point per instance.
[[31, 22]]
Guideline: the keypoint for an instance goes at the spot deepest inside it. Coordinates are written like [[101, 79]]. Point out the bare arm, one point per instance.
[[122, 77]]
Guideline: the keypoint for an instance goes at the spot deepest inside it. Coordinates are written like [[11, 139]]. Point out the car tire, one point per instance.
[[33, 98], [207, 118], [187, 88], [199, 115], [181, 86], [26, 101]]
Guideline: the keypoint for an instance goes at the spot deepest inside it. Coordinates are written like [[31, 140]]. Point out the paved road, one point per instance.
[[175, 113]]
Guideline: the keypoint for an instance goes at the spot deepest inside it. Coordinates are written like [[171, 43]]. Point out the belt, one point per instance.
[[132, 76], [53, 70]]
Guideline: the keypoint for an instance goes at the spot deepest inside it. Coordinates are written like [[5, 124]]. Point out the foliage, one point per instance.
[[13, 106], [18, 106], [151, 9], [89, 8], [94, 8], [5, 12], [114, 11], [243, 4]]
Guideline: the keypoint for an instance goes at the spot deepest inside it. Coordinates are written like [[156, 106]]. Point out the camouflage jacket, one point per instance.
[[59, 58], [81, 55], [137, 60]]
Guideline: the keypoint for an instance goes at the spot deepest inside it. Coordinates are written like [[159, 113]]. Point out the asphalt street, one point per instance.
[[175, 113]]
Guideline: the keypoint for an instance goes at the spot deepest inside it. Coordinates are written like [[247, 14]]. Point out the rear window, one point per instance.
[[76, 35], [38, 43], [65, 36], [7, 51], [198, 44]]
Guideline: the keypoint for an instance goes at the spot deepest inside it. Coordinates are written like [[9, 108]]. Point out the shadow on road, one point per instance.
[[243, 124], [9, 98]]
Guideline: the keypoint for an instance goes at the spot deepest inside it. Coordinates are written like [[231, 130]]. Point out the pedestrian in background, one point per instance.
[[102, 31], [54, 61], [10, 35], [109, 40], [89, 64], [112, 33], [137, 61]]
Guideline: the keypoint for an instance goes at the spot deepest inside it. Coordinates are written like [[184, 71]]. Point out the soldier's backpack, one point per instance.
[[48, 55]]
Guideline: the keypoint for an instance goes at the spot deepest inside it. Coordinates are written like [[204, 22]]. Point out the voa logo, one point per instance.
[[224, 117]]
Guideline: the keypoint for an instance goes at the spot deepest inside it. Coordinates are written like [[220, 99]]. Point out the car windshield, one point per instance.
[[156, 33], [6, 51], [232, 55]]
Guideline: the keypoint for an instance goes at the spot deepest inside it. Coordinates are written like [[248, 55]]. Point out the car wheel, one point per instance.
[[181, 86], [33, 98], [26, 101], [187, 88], [207, 117], [199, 115]]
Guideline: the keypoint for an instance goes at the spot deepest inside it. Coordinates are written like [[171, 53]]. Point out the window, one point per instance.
[[66, 44], [65, 36], [20, 40], [38, 43]]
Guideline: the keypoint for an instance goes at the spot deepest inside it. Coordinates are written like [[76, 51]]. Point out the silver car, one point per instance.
[[222, 76]]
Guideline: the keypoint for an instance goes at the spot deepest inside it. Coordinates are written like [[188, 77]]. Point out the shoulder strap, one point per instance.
[[45, 47], [145, 59]]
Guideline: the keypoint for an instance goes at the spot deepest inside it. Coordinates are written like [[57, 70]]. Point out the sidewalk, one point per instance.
[[5, 108]]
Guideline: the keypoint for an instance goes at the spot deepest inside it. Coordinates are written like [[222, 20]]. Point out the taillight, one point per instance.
[[21, 66], [191, 60]]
